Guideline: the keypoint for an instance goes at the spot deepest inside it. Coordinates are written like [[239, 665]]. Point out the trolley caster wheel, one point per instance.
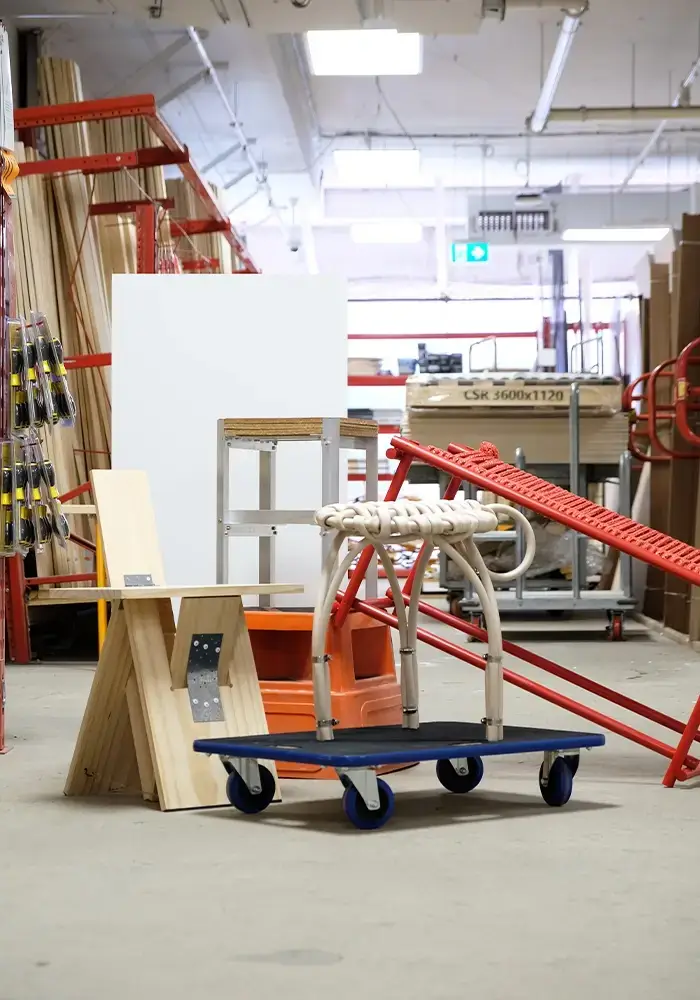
[[572, 762], [455, 605], [616, 629], [240, 796], [460, 783], [556, 791], [474, 618], [360, 815]]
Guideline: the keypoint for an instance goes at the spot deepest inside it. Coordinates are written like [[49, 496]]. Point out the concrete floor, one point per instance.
[[488, 895]]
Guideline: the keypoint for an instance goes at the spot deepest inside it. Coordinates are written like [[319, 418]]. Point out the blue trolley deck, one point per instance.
[[378, 745]]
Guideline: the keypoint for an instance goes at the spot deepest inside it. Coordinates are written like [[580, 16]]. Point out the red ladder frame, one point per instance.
[[483, 468]]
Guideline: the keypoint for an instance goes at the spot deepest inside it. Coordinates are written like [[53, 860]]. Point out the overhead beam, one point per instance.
[[148, 68], [182, 88], [225, 154], [246, 172], [620, 114]]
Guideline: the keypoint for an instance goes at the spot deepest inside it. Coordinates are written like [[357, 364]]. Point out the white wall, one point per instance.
[[190, 349]]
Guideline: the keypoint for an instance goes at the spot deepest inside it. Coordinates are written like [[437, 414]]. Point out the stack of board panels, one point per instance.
[[543, 392], [208, 245], [84, 305], [117, 233], [529, 412]]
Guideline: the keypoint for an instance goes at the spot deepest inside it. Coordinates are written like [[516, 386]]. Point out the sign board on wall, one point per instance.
[[470, 253]]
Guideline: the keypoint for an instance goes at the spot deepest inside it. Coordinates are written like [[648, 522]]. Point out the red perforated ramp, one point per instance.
[[484, 468]]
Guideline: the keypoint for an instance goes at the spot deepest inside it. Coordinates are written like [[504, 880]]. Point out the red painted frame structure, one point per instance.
[[649, 415], [170, 152], [483, 468]]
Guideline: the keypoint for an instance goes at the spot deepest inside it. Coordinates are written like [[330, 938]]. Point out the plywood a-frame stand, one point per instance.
[[157, 687]]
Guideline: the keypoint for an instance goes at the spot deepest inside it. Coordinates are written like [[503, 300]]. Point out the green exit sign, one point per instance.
[[470, 253]]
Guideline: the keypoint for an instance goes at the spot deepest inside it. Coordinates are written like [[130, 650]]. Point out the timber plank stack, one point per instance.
[[209, 245], [65, 262]]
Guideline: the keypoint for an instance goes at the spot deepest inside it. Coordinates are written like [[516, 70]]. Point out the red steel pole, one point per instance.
[[360, 571], [560, 700]]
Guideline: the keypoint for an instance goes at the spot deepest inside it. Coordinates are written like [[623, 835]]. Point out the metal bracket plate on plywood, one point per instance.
[[138, 580], [203, 677]]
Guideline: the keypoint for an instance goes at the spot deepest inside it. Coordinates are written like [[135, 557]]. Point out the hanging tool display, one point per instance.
[[30, 509]]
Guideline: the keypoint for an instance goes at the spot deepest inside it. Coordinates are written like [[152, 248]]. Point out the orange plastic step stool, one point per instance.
[[364, 687]]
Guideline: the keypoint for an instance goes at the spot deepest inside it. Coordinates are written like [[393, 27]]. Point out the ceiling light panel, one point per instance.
[[377, 167], [369, 52]]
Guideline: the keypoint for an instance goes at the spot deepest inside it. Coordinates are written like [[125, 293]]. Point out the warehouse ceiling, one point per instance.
[[465, 114]]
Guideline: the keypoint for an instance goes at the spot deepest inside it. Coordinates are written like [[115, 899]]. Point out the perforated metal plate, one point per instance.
[[203, 677]]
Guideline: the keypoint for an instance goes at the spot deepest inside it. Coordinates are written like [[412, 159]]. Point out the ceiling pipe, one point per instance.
[[570, 25], [618, 114], [256, 168], [499, 8], [681, 98]]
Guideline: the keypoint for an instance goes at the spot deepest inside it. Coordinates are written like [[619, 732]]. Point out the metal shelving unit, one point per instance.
[[334, 436]]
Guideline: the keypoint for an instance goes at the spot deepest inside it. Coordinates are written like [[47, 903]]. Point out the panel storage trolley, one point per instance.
[[457, 747]]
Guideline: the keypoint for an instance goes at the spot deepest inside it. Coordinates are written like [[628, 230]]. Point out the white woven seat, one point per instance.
[[401, 520]]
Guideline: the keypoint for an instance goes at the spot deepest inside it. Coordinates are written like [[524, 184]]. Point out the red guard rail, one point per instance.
[[650, 415]]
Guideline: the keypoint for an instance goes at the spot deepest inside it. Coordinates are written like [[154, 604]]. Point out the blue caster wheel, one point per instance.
[[556, 791], [240, 796], [460, 783], [573, 761], [356, 810]]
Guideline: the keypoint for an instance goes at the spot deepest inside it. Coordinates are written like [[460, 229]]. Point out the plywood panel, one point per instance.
[[276, 346], [128, 525], [103, 721], [184, 779], [81, 595]]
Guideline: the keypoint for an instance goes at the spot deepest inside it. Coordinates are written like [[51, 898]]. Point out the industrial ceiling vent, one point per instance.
[[519, 222]]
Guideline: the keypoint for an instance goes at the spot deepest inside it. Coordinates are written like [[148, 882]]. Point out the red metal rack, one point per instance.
[[483, 468], [170, 152]]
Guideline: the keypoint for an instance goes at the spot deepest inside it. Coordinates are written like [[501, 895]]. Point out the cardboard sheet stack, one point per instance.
[[524, 411]]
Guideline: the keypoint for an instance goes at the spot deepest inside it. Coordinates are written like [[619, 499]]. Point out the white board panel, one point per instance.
[[191, 349]]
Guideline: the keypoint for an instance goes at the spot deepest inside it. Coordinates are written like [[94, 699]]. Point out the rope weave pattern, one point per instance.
[[385, 521]]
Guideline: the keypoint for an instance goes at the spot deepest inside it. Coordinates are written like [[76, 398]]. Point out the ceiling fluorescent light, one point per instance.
[[386, 232], [649, 234], [369, 52], [377, 166], [569, 27]]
